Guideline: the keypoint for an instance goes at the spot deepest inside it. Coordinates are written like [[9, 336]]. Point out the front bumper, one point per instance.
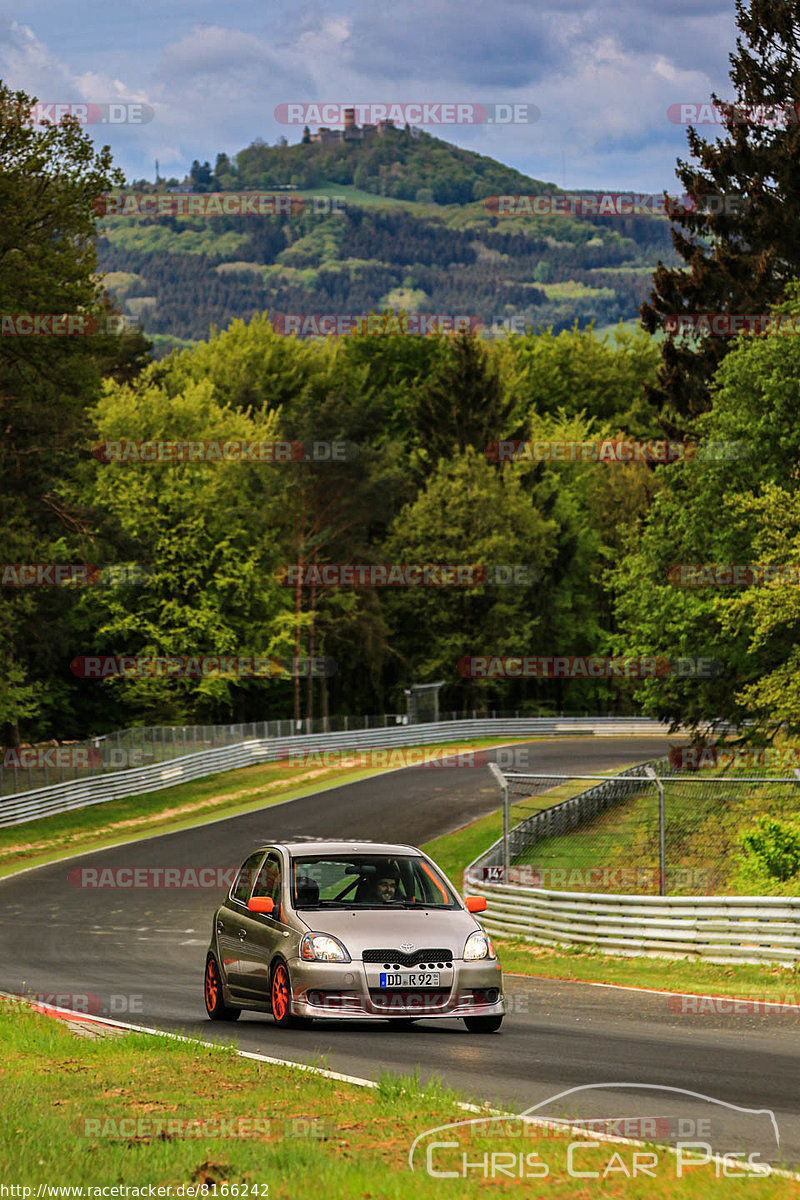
[[352, 990]]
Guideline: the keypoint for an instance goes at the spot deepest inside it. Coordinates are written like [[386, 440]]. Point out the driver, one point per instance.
[[386, 887]]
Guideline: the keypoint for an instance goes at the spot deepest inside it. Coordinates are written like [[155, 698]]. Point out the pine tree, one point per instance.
[[463, 401], [739, 259]]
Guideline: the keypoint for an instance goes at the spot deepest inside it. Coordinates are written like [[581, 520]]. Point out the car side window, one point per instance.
[[269, 879], [244, 880]]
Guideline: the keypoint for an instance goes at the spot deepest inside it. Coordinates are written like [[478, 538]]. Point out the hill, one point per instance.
[[411, 230]]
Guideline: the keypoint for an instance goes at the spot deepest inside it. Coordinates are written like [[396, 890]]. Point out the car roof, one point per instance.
[[321, 846]]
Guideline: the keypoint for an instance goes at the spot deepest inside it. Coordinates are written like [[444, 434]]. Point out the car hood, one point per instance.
[[379, 929]]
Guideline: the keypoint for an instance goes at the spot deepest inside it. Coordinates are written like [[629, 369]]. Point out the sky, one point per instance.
[[601, 76]]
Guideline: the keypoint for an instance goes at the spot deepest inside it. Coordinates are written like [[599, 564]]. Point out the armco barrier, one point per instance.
[[721, 929], [79, 793]]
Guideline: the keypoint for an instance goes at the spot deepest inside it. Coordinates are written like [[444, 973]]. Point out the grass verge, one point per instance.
[[762, 982], [140, 1111]]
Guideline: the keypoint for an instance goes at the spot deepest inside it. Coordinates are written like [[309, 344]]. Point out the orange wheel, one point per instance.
[[212, 985], [281, 995], [216, 1007]]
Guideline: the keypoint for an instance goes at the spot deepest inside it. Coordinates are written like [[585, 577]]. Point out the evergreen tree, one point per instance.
[[464, 402], [740, 257], [201, 176], [49, 180]]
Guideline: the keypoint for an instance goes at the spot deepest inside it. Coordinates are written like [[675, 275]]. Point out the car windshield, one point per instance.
[[368, 881]]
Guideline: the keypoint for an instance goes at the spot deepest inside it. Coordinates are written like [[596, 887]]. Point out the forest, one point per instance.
[[672, 558]]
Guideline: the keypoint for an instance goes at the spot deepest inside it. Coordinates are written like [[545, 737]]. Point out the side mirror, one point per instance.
[[264, 904], [475, 904]]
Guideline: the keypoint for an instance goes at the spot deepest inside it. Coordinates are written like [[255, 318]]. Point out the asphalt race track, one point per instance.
[[139, 955]]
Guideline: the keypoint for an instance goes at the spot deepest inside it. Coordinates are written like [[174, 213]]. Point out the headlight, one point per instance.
[[321, 947], [478, 946]]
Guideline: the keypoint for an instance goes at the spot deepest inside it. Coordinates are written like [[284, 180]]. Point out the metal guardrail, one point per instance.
[[721, 929], [79, 793], [28, 768]]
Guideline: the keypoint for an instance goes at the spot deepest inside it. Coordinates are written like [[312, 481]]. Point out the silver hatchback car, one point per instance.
[[350, 930]]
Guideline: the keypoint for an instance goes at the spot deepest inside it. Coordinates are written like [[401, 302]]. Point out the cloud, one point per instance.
[[603, 73], [505, 46], [28, 65]]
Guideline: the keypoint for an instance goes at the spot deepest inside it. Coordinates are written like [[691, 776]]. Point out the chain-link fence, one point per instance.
[[27, 767], [673, 833], [31, 767]]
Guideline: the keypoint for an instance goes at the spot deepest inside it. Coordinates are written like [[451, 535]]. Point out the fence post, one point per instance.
[[501, 779], [506, 832], [662, 838]]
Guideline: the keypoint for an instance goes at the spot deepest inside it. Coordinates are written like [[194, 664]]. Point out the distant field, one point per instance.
[[354, 195]]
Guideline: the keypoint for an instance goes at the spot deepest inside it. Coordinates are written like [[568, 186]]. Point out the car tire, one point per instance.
[[216, 1007], [483, 1024], [280, 998]]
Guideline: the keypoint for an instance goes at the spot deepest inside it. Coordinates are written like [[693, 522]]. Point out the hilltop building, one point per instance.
[[350, 133]]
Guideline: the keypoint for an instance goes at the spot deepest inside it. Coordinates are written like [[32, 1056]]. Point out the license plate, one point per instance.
[[406, 979]]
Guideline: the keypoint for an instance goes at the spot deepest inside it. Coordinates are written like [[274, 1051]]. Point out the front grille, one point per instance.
[[432, 958]]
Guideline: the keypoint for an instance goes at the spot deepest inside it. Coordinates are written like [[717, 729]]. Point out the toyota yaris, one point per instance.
[[350, 930]]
